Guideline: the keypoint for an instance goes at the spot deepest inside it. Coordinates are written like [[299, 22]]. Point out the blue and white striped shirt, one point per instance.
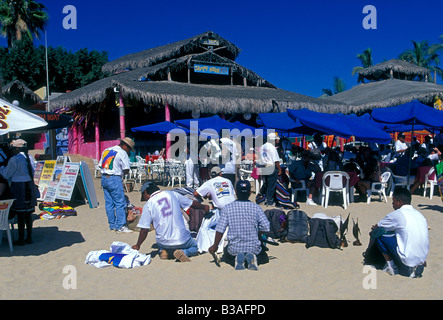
[[244, 219]]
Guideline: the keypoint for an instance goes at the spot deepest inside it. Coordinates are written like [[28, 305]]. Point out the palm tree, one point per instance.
[[338, 86], [424, 55], [20, 18], [366, 62]]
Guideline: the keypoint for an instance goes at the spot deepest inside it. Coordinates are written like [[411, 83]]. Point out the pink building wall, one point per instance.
[[77, 144]]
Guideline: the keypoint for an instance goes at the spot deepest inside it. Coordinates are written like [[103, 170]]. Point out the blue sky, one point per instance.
[[296, 45]]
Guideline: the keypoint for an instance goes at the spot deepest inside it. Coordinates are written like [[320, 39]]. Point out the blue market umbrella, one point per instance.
[[283, 123], [412, 113], [215, 122], [164, 127], [340, 125]]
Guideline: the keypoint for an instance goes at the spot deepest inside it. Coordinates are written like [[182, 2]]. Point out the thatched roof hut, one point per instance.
[[17, 90], [186, 97], [174, 50], [388, 93], [395, 69]]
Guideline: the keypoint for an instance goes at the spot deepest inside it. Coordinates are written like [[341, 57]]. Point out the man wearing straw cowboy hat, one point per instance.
[[114, 165]]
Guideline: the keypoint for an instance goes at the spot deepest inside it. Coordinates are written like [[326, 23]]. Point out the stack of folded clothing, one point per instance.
[[54, 210]]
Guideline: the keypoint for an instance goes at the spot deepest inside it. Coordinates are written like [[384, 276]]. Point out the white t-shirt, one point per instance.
[[221, 191], [229, 166], [114, 160], [312, 145], [400, 146], [411, 231], [269, 154], [163, 210]]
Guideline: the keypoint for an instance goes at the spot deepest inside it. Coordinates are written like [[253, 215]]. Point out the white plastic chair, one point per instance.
[[379, 187], [177, 171], [335, 184], [96, 167], [294, 190], [5, 207], [401, 181], [432, 182]]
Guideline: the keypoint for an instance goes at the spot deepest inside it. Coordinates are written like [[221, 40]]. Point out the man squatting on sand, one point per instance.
[[404, 240], [163, 210]]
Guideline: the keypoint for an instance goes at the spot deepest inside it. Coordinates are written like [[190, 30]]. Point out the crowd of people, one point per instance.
[[404, 248]]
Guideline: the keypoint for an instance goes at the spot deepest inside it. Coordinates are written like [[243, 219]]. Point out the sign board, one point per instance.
[[67, 181], [45, 178], [202, 68], [38, 171], [59, 179], [88, 184], [51, 190], [210, 42]]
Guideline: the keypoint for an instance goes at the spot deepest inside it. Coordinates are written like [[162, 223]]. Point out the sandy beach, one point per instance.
[[38, 271]]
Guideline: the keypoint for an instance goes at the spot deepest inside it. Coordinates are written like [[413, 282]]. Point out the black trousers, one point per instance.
[[269, 186]]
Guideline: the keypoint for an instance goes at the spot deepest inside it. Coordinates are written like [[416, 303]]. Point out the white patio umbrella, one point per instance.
[[15, 119]]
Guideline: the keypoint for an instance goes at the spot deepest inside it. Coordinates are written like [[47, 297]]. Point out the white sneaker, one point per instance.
[[310, 202], [124, 229], [391, 270]]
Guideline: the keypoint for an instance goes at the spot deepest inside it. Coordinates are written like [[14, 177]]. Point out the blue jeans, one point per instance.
[[115, 203], [189, 248]]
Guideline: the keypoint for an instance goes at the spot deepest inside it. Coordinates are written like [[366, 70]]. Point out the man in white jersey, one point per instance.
[[218, 188], [163, 210], [405, 242]]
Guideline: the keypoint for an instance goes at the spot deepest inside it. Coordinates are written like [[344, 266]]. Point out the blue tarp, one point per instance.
[[410, 113], [394, 127], [283, 123], [340, 125], [164, 127], [215, 123]]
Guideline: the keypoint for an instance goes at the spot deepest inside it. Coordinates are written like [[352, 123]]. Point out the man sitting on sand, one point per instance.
[[405, 241], [163, 210], [245, 220]]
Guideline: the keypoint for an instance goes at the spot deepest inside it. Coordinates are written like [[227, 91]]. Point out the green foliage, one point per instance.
[[22, 19], [67, 70]]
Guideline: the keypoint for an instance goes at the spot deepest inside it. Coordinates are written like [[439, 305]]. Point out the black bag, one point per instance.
[[373, 256], [275, 217], [323, 234], [297, 226]]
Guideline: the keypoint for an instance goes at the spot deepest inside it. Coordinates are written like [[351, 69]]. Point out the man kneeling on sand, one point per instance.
[[163, 210], [245, 220]]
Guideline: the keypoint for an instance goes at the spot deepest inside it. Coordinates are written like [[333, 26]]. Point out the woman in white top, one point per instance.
[[20, 174]]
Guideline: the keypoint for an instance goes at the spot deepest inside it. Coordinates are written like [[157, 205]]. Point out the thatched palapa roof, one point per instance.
[[160, 71], [189, 97], [394, 68], [170, 51], [388, 93], [18, 90]]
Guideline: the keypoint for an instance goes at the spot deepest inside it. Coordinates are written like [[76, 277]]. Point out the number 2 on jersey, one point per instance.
[[165, 206]]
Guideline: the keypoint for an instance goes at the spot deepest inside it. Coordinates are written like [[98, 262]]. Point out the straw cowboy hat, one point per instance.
[[19, 143], [129, 142]]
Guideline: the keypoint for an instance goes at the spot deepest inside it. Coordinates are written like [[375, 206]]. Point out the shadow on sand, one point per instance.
[[46, 239]]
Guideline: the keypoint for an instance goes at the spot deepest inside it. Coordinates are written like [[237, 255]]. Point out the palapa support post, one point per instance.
[[97, 138], [75, 139], [121, 109], [168, 140]]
